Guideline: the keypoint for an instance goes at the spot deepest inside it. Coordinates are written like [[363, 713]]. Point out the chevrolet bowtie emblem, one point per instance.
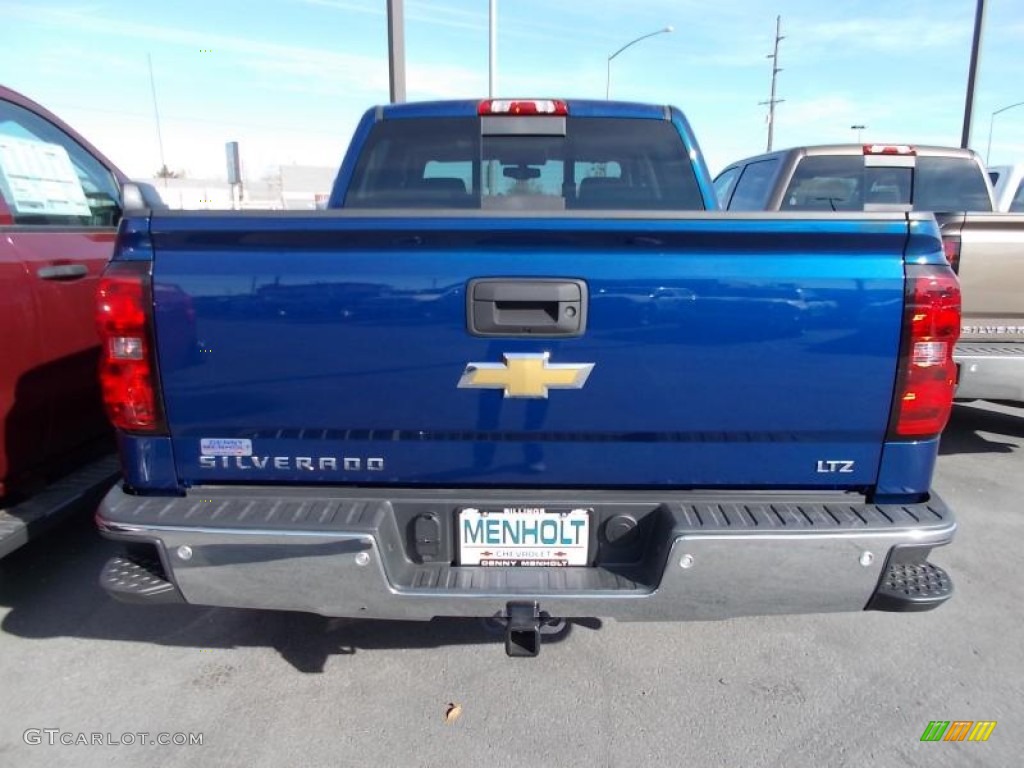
[[525, 375]]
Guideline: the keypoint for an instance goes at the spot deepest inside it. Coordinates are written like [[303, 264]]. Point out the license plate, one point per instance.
[[524, 536]]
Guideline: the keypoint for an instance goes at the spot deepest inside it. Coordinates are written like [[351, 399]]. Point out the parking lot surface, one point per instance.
[[292, 689]]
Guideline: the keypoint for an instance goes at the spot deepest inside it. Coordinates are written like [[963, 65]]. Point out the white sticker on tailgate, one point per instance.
[[225, 446], [524, 536]]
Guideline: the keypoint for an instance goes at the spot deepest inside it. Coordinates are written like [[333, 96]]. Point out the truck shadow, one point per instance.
[[976, 428], [51, 587], [63, 392]]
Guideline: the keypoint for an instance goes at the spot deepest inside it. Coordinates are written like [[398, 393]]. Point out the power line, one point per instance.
[[205, 121]]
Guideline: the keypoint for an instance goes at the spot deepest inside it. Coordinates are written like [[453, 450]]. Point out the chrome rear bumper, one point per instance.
[[990, 371], [348, 553]]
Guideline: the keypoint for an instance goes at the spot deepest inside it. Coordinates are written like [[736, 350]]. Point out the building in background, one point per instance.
[[289, 187]]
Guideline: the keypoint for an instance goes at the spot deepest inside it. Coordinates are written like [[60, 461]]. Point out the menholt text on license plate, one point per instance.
[[524, 536]]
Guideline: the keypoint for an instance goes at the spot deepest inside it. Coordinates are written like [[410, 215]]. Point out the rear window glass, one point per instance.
[[723, 186], [950, 184], [843, 183], [754, 185], [601, 163]]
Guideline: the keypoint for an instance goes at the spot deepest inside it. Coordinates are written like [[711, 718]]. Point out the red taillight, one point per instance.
[[523, 107], [927, 376], [889, 149], [951, 247], [127, 364]]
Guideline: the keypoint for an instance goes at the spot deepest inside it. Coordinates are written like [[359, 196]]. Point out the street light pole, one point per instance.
[[991, 123], [972, 72], [608, 78], [396, 50], [858, 129], [492, 50]]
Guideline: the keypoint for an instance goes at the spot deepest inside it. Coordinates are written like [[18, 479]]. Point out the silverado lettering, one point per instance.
[[993, 329], [309, 463]]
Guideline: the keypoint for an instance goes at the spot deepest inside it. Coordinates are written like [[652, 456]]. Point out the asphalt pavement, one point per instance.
[[262, 688]]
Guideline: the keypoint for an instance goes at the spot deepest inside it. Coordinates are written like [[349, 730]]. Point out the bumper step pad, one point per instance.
[[911, 587], [138, 579]]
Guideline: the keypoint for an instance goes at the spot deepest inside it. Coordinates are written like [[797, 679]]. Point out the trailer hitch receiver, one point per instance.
[[522, 633]]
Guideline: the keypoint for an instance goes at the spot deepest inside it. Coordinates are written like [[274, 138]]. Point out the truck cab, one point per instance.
[[857, 177]]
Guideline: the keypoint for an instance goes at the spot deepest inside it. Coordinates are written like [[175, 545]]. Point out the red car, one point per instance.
[[60, 202]]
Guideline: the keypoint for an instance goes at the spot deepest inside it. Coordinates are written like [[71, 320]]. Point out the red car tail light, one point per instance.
[[128, 375], [927, 374], [523, 107], [889, 149], [951, 247]]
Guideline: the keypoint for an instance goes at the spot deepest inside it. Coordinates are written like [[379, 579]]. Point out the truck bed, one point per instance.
[[990, 353]]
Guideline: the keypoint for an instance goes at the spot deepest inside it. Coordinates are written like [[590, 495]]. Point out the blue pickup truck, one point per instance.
[[524, 370]]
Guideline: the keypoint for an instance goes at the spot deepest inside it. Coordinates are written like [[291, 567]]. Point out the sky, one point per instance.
[[289, 79]]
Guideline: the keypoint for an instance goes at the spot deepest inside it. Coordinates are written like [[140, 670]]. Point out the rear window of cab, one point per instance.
[[598, 163], [845, 183]]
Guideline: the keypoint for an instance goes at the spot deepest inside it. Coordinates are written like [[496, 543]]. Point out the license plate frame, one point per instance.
[[548, 537]]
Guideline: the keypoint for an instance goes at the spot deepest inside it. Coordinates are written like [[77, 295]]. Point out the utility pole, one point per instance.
[[491, 172], [772, 101], [156, 114], [396, 49], [972, 73]]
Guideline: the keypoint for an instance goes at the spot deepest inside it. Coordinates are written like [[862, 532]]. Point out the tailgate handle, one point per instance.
[[526, 307], [63, 272]]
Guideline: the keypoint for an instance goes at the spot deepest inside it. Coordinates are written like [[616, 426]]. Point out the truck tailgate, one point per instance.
[[753, 351], [991, 273]]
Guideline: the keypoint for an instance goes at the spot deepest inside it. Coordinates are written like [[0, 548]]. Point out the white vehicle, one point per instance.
[[1008, 182]]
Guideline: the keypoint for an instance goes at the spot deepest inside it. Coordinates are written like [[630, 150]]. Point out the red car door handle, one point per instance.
[[63, 272]]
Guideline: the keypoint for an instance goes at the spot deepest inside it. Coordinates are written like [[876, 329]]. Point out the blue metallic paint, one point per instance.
[[133, 241], [704, 182], [348, 164], [740, 351], [923, 243], [426, 109], [906, 470], [732, 351], [469, 107], [148, 463]]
